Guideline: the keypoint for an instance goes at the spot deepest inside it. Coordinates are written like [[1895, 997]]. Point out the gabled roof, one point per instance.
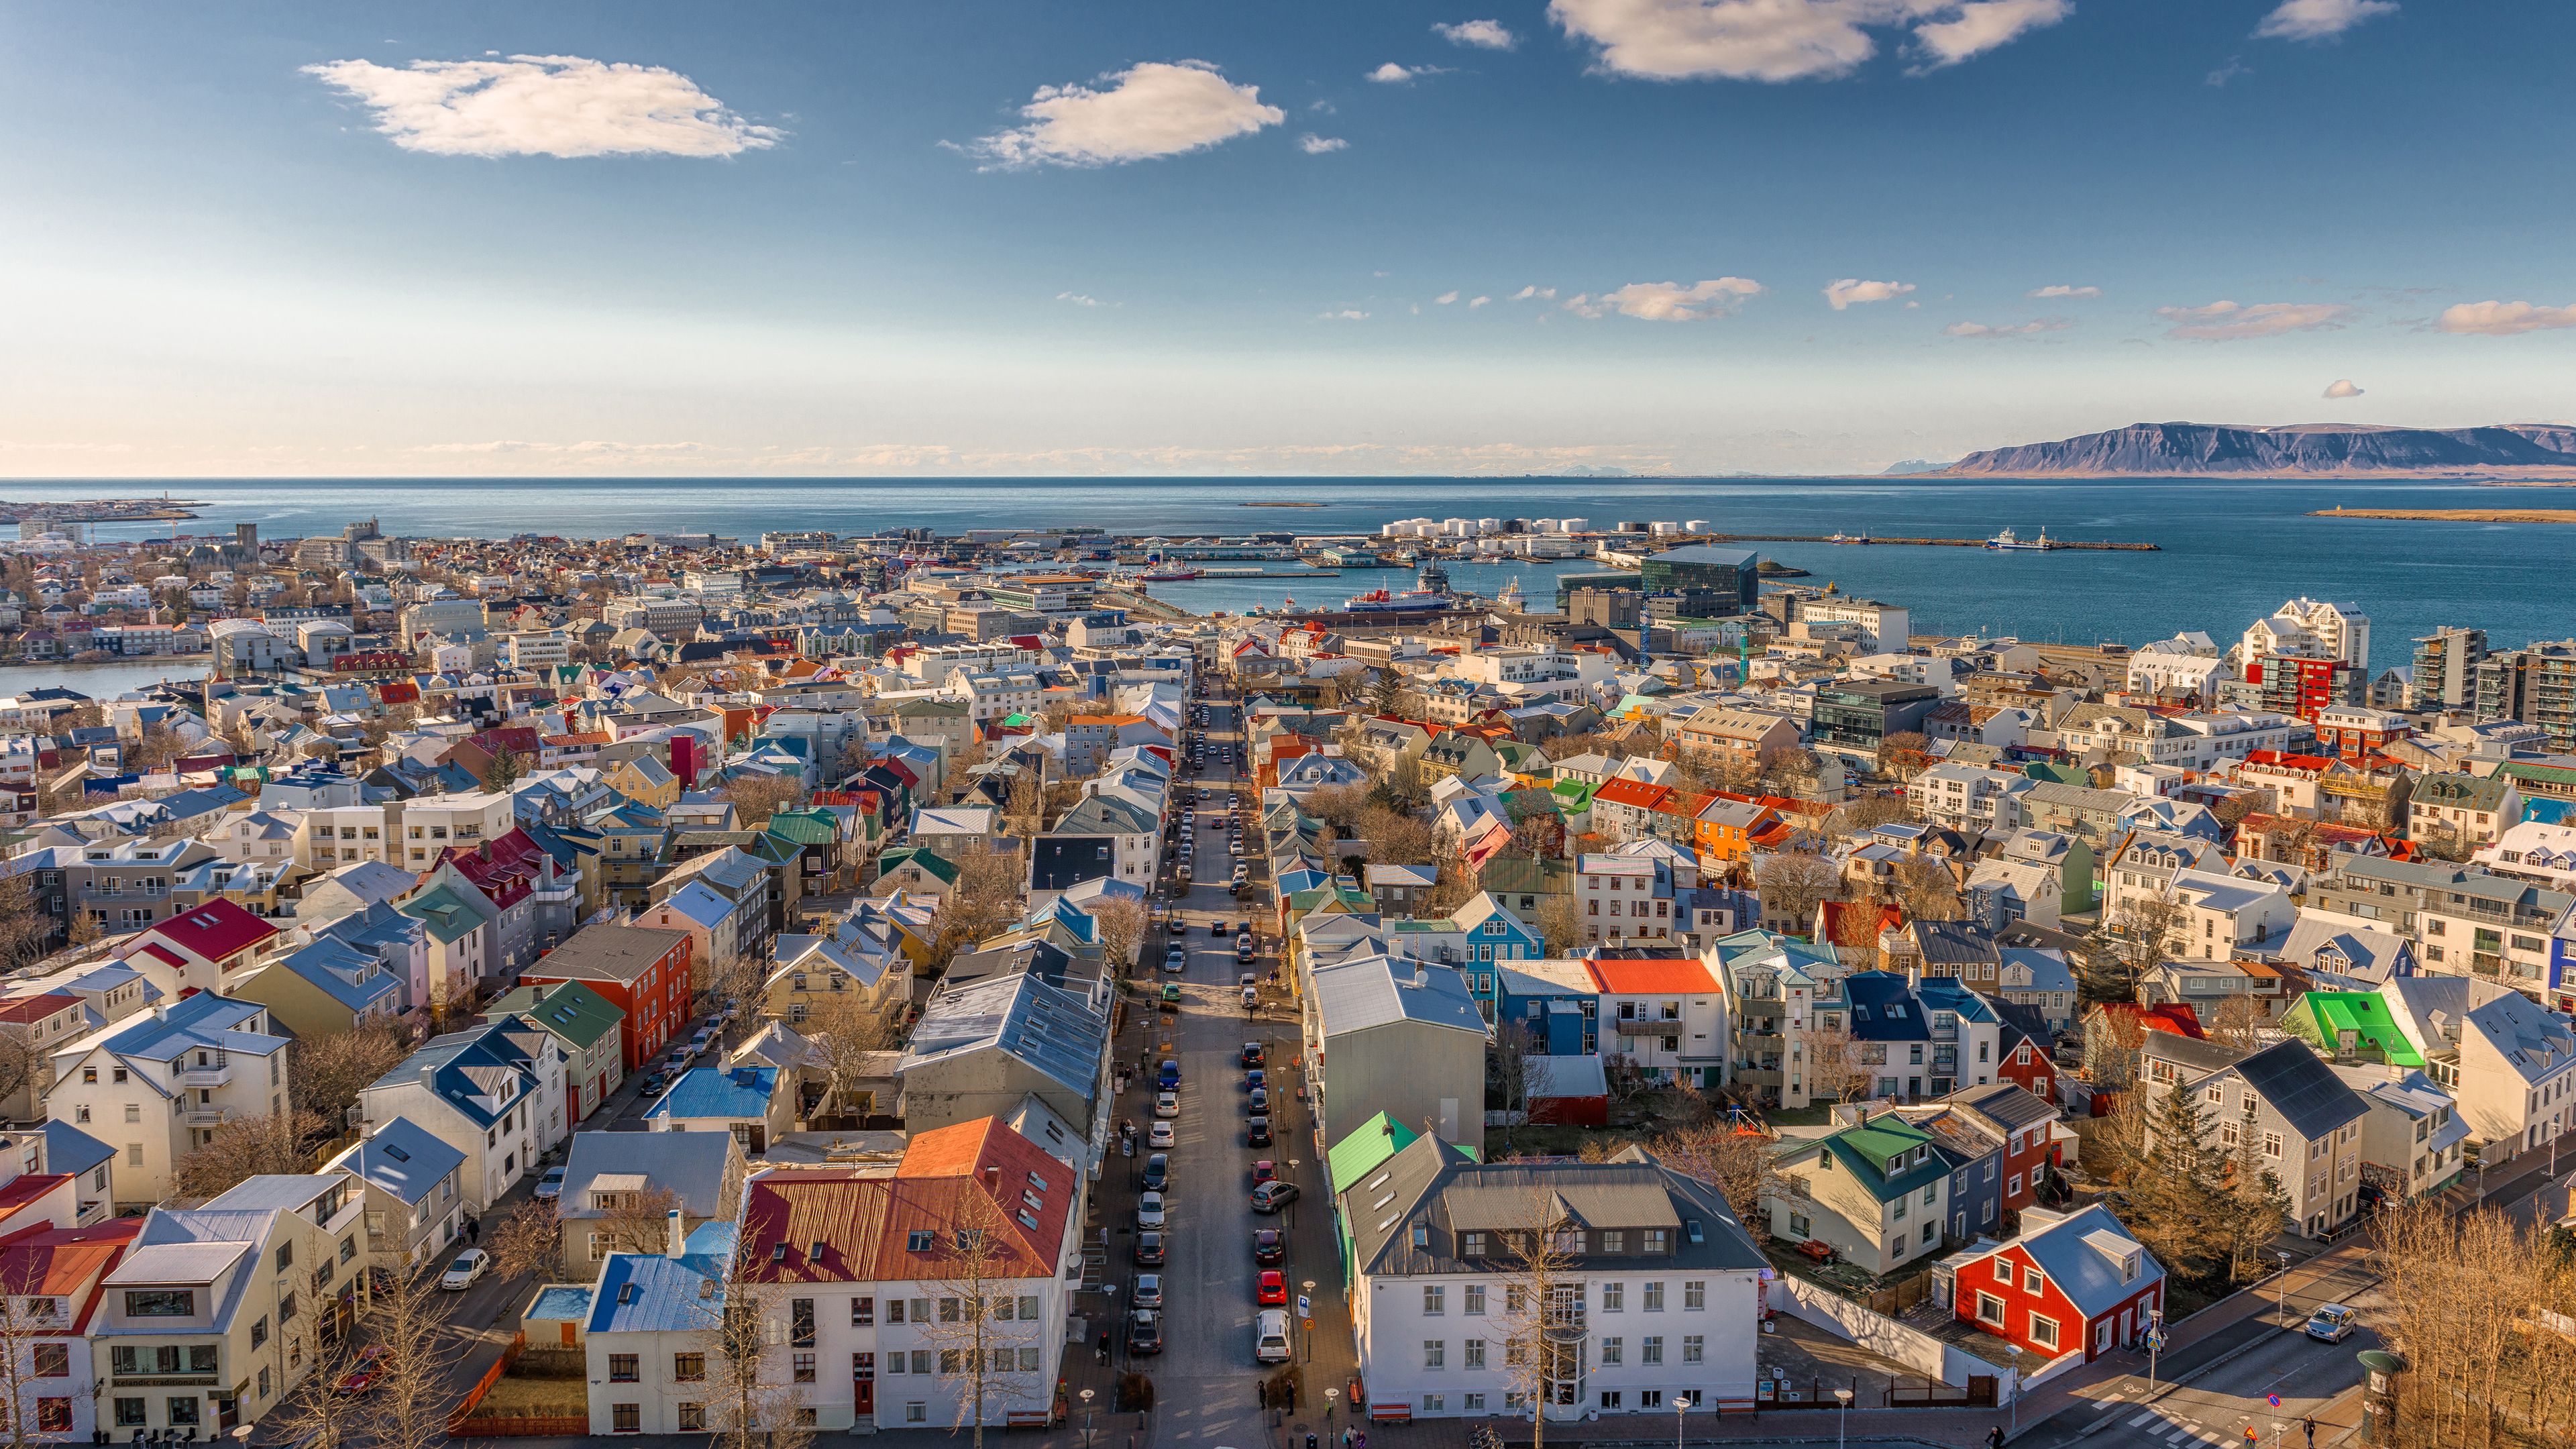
[[2080, 1254], [1868, 1150], [847, 1225], [657, 1293], [1683, 974], [734, 1093], [569, 1009], [403, 1159], [606, 952], [2302, 1088], [693, 1166]]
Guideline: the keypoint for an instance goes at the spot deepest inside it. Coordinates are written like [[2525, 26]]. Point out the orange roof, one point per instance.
[[1679, 973], [63, 1262], [863, 1222]]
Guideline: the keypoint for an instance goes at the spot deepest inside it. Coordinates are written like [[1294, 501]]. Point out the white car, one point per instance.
[[1167, 1104], [1270, 1336], [1159, 1135], [1149, 1210], [471, 1264]]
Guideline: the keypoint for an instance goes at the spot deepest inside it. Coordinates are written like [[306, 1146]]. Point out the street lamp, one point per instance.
[[1086, 1417], [2285, 1286], [1845, 1395], [1329, 1396], [1306, 1302], [1681, 1406]]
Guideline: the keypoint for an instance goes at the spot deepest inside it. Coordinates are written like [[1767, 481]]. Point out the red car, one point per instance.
[[363, 1375], [1272, 1287], [1264, 1171]]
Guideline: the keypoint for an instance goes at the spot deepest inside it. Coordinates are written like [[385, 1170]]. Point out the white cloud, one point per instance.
[[2234, 322], [1475, 302], [2031, 328], [2319, 19], [1314, 145], [1483, 34], [1849, 290], [1347, 314], [2228, 72], [591, 449], [2061, 290], [1785, 40], [1077, 299], [1982, 25], [1445, 298], [2503, 319], [2342, 387], [1668, 301], [1534, 291], [544, 105], [1148, 110], [1392, 74]]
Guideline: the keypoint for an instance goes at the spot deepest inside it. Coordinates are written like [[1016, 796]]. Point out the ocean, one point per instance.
[[2230, 552]]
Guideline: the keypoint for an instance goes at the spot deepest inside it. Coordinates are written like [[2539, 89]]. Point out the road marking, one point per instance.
[[2184, 1432], [2142, 1418]]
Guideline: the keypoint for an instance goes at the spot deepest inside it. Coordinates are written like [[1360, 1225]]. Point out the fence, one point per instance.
[[462, 1422], [1885, 1337]]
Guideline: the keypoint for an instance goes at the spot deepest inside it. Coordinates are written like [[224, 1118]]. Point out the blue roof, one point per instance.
[[205, 1020], [561, 1302], [719, 1092], [349, 976], [69, 1149], [669, 1295], [1883, 1008], [403, 1159], [1944, 994], [473, 1065]]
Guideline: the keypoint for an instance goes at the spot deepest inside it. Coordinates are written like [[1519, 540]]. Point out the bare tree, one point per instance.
[[2238, 1021], [408, 1407], [1905, 754], [1340, 806], [1122, 923], [1395, 837], [756, 797], [1025, 816], [1834, 1062], [984, 900], [26, 927], [844, 1030], [529, 1240], [1743, 1165], [328, 1071], [1927, 888], [247, 1147], [1861, 816], [984, 1334], [1540, 1322], [1521, 1074], [2134, 938], [1560, 921], [1794, 883]]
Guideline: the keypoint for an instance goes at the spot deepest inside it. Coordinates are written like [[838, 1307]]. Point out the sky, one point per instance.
[[1012, 237]]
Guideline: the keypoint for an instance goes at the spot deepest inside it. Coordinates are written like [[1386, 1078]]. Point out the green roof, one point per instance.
[[805, 827], [2532, 770], [446, 914], [1866, 1150], [1573, 792], [929, 860], [1368, 1147], [572, 1011], [2364, 1015], [2058, 774]]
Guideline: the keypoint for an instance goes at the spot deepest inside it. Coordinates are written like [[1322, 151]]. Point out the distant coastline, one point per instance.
[[2453, 515]]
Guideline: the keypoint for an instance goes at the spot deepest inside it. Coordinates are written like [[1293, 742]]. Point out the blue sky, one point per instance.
[[1029, 238]]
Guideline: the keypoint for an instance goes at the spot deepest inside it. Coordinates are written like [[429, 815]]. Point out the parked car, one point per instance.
[[1176, 959], [1243, 950], [656, 1082], [1167, 1104], [364, 1372], [1270, 1336], [2332, 1322], [1270, 1287], [1145, 1331], [1159, 1135], [1271, 1196], [469, 1265], [1259, 1101], [1168, 1075], [1171, 996], [1254, 1079], [1269, 1245], [1149, 1210], [1264, 1171], [1158, 1172], [1149, 1291], [1216, 930], [1149, 1249], [550, 1186], [1252, 1053], [1182, 872], [1256, 1133]]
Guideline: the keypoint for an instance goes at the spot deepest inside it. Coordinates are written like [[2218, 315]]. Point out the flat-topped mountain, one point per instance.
[[2295, 449]]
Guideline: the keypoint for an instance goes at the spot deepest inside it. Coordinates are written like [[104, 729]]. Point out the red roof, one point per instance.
[[65, 1262], [18, 1192], [1633, 978], [2175, 1017], [1636, 793], [29, 1009], [863, 1223], [213, 931]]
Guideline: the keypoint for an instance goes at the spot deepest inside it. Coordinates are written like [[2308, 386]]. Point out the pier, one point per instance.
[[1877, 540]]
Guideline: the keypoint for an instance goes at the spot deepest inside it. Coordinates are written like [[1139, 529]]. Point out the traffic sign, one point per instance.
[[2273, 1399], [1304, 1309], [2156, 1340]]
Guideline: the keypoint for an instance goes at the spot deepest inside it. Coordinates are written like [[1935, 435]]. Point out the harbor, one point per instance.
[[2005, 541]]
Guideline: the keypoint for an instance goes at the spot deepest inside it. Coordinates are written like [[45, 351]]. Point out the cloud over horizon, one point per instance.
[[1668, 301], [565, 106], [2503, 319], [1147, 111], [2343, 387], [2031, 328], [1786, 40], [1852, 290], [2319, 19], [1482, 34], [2225, 321]]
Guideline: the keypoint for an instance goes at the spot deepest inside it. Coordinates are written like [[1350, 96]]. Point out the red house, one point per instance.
[[2022, 1121], [2028, 1063], [199, 948], [2071, 1283], [644, 970]]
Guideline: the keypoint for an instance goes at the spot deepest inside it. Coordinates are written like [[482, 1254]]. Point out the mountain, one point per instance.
[[2294, 450], [1910, 467]]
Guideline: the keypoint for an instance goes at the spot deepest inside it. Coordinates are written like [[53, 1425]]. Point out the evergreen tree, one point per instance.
[[1386, 692], [2255, 1207], [2178, 1198]]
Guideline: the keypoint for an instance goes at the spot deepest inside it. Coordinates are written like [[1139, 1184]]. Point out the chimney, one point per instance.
[[679, 1244]]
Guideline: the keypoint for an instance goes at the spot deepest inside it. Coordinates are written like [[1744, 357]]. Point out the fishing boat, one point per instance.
[[1861, 537], [2011, 542], [1167, 576]]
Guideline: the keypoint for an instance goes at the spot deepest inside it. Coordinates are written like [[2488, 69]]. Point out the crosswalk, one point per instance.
[[2176, 1435]]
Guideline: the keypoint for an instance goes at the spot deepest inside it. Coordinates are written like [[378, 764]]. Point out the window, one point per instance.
[[688, 1368], [800, 1322], [1650, 1350], [1652, 1241], [803, 1366], [2003, 1270], [625, 1419], [1614, 1297], [1694, 1296], [1435, 1353], [1614, 1240], [863, 1312], [1613, 1352], [53, 1360], [160, 1303], [692, 1416], [1474, 1307], [624, 1368], [130, 1413], [182, 1409], [2033, 1280], [285, 1308], [1654, 1298], [1435, 1403], [2043, 1331], [921, 1360], [1433, 1296], [1474, 1355], [916, 1412], [1694, 1348], [1990, 1309], [1471, 1245]]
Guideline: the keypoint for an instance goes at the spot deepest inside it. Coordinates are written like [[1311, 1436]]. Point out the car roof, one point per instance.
[[2334, 1308]]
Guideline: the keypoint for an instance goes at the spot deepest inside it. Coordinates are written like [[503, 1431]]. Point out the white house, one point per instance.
[[495, 1093], [157, 1086]]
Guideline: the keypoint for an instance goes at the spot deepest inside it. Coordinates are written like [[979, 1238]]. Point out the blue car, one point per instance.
[[1169, 1077]]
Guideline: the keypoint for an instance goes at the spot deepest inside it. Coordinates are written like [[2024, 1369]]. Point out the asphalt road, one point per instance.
[[1205, 1378], [2212, 1392]]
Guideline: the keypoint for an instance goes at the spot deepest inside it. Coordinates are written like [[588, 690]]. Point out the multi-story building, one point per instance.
[[155, 1087], [1776, 987], [494, 1093], [1877, 628], [2535, 684], [1876, 1191], [1659, 1300], [2461, 812], [57, 1273], [1667, 1017], [643, 970], [2445, 676], [1853, 717], [2299, 1118], [1731, 577], [2067, 1284]]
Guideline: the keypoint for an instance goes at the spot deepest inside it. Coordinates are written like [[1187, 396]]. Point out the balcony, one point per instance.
[[207, 1077], [1644, 1026], [209, 1115]]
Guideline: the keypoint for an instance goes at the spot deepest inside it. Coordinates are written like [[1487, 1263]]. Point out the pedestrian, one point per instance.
[[473, 1230], [1995, 1437], [1310, 1439], [1361, 1442], [2309, 1424], [1346, 1438]]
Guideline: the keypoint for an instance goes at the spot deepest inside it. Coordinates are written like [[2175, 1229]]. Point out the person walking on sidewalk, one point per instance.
[[1995, 1437], [2308, 1424]]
